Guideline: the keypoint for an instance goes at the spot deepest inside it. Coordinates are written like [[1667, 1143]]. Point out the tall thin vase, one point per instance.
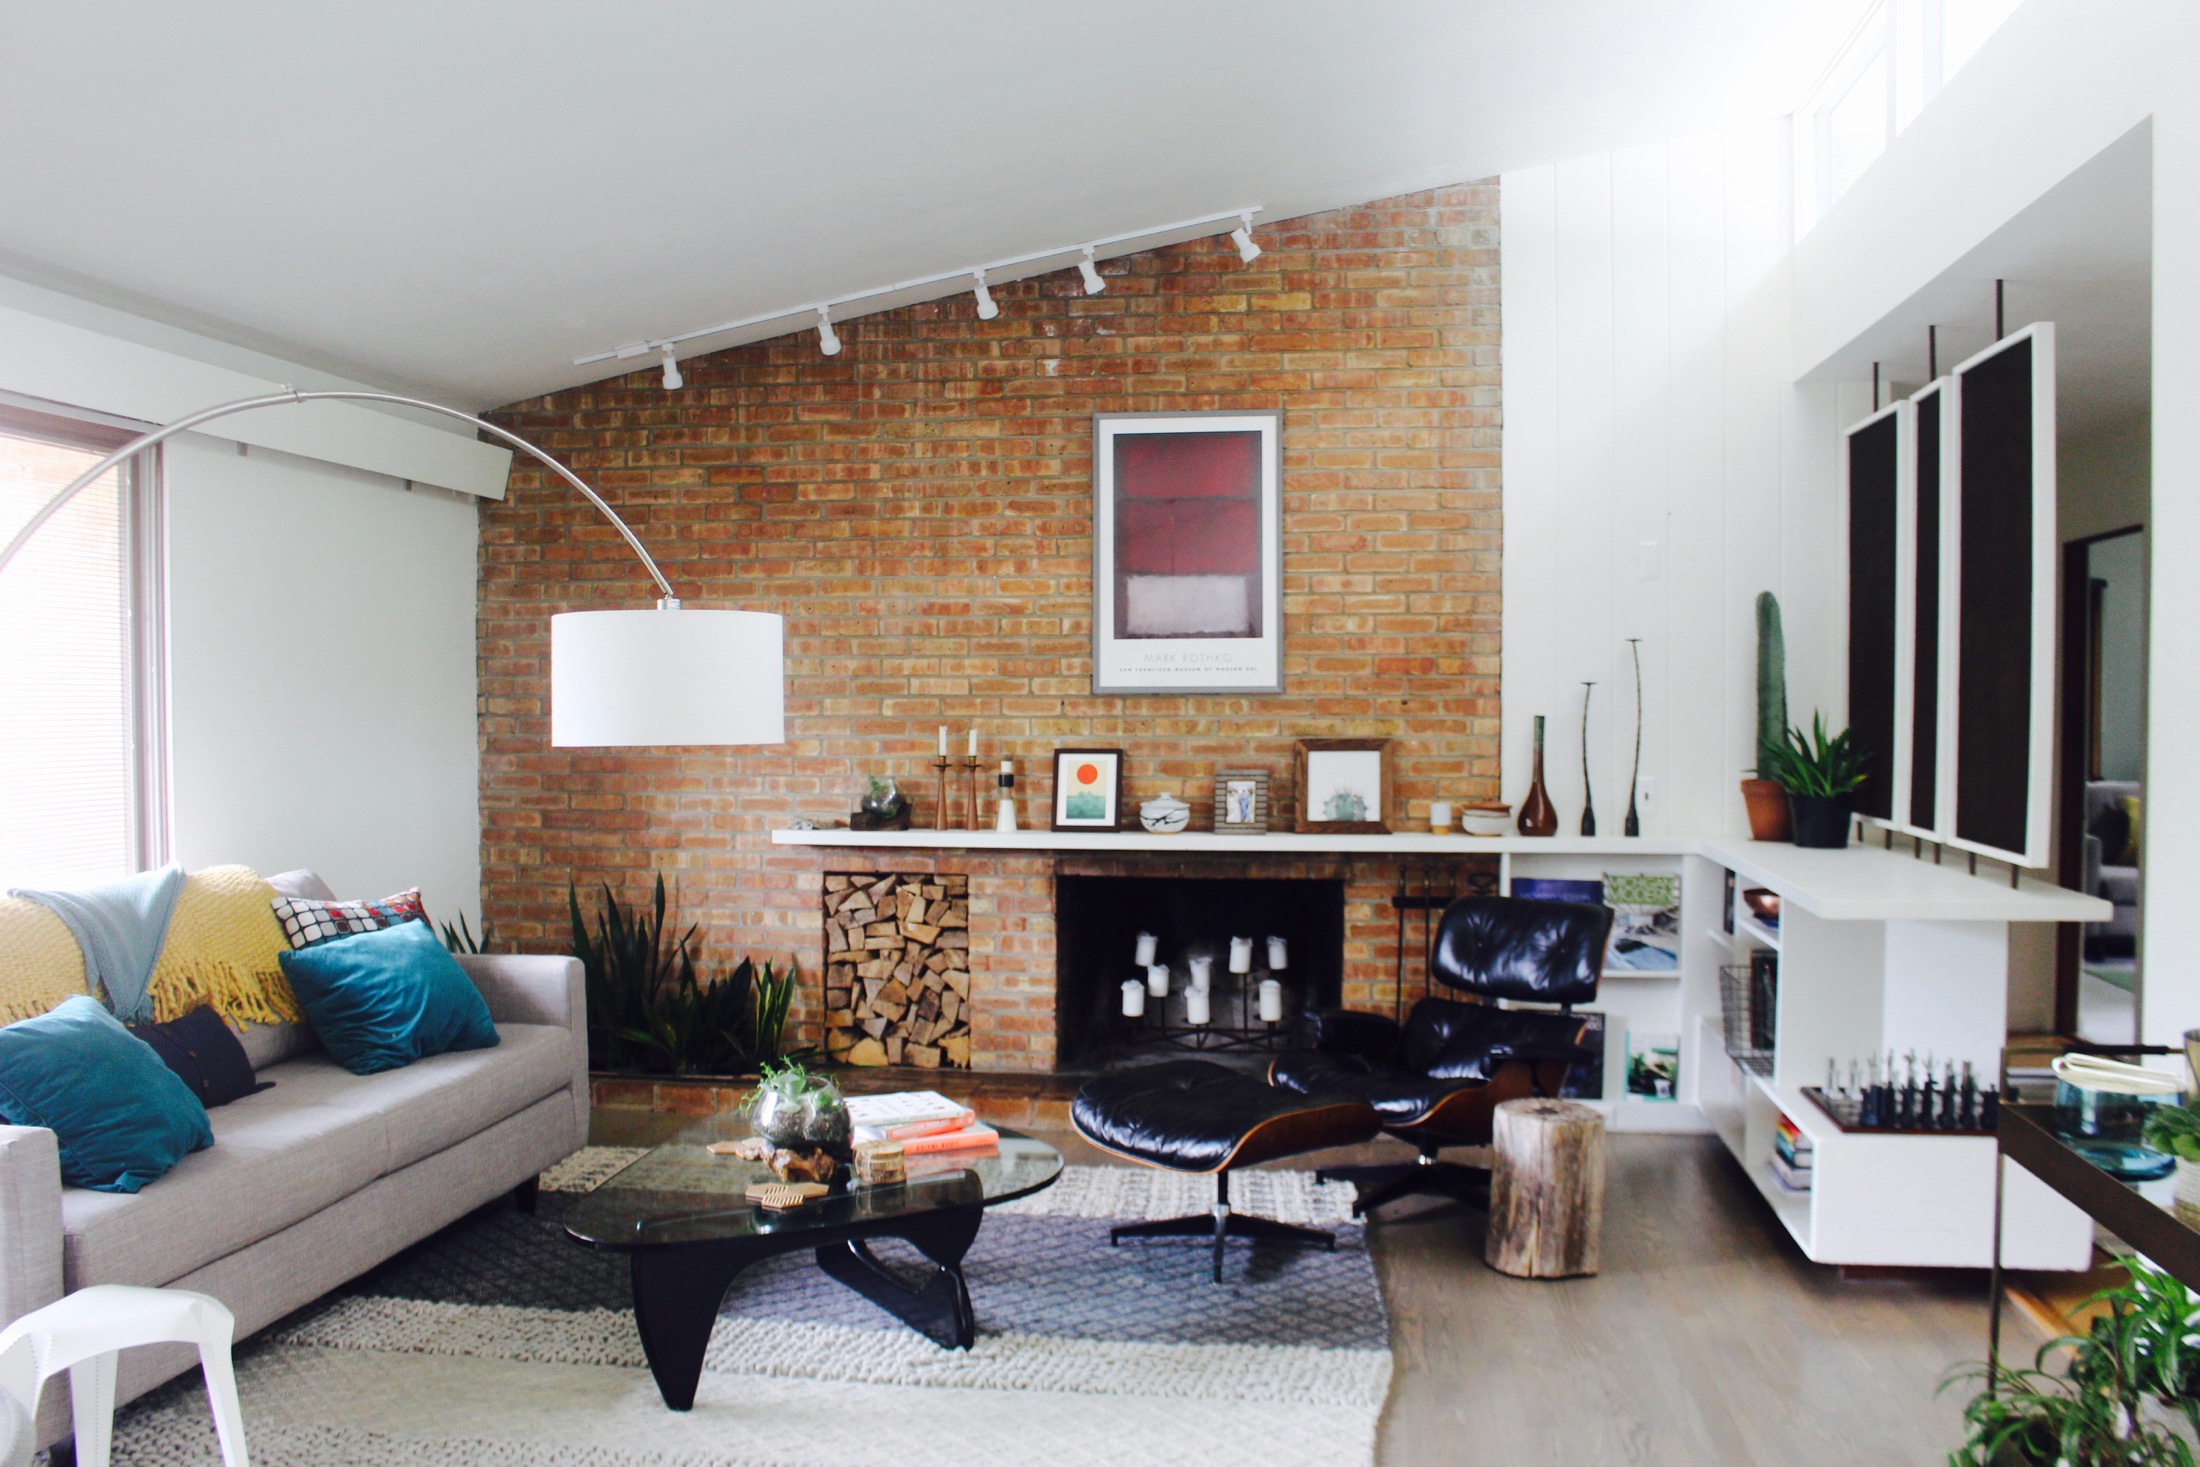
[[1588, 794], [1634, 820], [1538, 816]]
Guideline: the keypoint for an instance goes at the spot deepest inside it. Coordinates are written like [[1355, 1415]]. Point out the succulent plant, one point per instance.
[[1772, 682]]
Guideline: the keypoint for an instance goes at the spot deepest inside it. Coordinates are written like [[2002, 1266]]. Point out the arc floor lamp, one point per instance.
[[618, 679]]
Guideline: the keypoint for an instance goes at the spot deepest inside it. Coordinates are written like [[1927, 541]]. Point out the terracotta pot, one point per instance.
[[1768, 809]]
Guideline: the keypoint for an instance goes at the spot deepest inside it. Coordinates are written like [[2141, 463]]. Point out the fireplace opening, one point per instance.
[[1098, 924]]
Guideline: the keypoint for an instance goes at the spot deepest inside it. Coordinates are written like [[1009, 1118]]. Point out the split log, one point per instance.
[[1546, 1190]]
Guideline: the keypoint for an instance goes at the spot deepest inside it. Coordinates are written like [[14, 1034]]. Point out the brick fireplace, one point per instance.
[[919, 509], [1016, 970]]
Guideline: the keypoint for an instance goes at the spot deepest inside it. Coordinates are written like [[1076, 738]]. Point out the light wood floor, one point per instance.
[[1707, 1341]]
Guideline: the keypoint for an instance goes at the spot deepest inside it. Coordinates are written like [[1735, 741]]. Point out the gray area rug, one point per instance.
[[500, 1341]]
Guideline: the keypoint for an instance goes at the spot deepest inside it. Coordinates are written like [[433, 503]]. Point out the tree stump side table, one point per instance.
[[1546, 1190]]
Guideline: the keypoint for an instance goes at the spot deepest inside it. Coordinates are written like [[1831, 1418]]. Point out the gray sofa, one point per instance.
[[313, 1182]]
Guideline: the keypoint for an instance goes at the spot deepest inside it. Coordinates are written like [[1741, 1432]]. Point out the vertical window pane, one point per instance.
[[1857, 124], [65, 747], [1964, 27]]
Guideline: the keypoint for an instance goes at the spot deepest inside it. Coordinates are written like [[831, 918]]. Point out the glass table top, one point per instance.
[[682, 1193]]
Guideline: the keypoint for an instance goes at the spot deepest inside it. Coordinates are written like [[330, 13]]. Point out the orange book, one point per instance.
[[969, 1138], [915, 1129]]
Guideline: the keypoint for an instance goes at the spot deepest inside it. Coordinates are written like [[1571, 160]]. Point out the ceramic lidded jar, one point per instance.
[[1165, 814]]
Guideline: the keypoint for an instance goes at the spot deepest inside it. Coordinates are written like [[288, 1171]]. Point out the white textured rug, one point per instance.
[[501, 1342]]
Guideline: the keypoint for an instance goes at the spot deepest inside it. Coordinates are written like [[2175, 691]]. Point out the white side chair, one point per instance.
[[81, 1334]]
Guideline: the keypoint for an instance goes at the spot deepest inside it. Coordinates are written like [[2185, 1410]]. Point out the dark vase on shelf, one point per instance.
[[1821, 821], [1538, 816]]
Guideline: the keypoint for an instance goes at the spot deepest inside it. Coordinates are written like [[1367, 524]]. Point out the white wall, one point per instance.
[[321, 683], [2058, 83], [1660, 471], [2104, 480]]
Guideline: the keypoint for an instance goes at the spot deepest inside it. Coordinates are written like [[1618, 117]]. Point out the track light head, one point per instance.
[[1242, 237], [1093, 283], [986, 309], [673, 380], [827, 342]]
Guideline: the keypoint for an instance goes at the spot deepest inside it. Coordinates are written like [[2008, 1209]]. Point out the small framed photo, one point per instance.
[[1088, 789], [1344, 786], [1241, 802]]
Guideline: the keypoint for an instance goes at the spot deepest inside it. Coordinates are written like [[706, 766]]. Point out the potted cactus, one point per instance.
[[1766, 798]]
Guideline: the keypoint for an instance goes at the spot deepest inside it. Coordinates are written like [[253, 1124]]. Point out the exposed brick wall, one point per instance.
[[919, 509]]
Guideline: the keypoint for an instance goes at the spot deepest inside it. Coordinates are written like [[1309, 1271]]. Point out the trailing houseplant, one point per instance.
[[2174, 1130], [1767, 802], [1820, 775], [2140, 1355]]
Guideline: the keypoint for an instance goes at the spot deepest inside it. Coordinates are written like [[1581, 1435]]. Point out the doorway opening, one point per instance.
[[2102, 780]]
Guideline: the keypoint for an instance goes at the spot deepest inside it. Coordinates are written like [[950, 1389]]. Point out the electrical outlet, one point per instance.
[[1649, 790]]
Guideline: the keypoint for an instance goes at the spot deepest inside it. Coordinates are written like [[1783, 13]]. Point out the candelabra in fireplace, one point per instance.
[[1259, 1002]]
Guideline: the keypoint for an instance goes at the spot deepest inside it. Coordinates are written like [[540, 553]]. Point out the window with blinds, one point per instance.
[[82, 765]]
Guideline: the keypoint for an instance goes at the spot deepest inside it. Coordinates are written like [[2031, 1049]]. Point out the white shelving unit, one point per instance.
[[1878, 951]]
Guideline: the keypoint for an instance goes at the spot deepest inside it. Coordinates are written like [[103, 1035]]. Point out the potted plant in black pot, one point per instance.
[[1820, 776]]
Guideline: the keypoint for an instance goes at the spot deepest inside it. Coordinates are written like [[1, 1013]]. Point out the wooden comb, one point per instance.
[[781, 1196]]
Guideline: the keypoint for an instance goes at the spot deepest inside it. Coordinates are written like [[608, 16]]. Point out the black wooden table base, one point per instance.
[[679, 1287]]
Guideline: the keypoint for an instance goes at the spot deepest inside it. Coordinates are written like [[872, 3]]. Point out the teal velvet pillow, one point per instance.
[[380, 1000], [121, 1116]]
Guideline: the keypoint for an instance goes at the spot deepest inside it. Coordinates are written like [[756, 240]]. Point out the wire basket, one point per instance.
[[1747, 993]]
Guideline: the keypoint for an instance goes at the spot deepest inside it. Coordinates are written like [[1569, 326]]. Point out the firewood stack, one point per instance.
[[897, 970]]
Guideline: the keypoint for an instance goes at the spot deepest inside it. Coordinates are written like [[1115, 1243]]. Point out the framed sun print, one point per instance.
[[1344, 786], [1187, 579], [1088, 789]]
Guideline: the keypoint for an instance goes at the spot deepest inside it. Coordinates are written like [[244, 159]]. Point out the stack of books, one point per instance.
[[1792, 1155], [923, 1122]]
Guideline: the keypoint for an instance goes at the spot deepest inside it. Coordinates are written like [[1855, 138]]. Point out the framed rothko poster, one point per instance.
[[1187, 552]]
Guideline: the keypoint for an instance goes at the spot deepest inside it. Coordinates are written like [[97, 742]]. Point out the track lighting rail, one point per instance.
[[1079, 254]]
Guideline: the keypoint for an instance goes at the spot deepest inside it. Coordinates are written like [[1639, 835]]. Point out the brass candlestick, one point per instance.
[[970, 765], [939, 818]]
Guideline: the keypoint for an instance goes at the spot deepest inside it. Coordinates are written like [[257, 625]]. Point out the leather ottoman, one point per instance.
[[1192, 1116]]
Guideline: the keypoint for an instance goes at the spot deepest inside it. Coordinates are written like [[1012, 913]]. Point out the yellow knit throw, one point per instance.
[[222, 944], [40, 963]]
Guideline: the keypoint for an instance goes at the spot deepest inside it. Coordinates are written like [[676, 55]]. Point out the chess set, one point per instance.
[[1879, 1098]]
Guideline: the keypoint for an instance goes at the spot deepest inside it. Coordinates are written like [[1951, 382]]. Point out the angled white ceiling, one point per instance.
[[462, 197], [2082, 256]]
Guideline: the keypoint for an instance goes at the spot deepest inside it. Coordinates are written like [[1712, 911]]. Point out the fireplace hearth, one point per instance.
[[1099, 920]]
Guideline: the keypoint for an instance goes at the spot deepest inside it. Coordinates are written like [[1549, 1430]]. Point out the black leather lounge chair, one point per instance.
[[1437, 1081]]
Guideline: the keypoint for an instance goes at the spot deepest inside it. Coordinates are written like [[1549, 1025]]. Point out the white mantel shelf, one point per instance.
[[1860, 884]]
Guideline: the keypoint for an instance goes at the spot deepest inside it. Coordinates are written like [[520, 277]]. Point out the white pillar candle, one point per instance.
[[943, 741], [1134, 998], [1202, 973], [1146, 945], [1279, 954], [1439, 817], [1157, 979], [1271, 1001], [1241, 955], [1195, 1006], [973, 741]]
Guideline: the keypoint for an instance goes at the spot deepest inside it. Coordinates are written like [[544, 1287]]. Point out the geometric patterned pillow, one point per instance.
[[307, 922]]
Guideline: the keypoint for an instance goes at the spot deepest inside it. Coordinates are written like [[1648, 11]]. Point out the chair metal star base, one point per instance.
[[1376, 1185], [1222, 1224]]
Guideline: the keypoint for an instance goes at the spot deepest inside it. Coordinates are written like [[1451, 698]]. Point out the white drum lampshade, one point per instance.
[[626, 679]]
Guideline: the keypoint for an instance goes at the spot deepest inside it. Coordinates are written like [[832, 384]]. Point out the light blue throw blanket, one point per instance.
[[120, 925]]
